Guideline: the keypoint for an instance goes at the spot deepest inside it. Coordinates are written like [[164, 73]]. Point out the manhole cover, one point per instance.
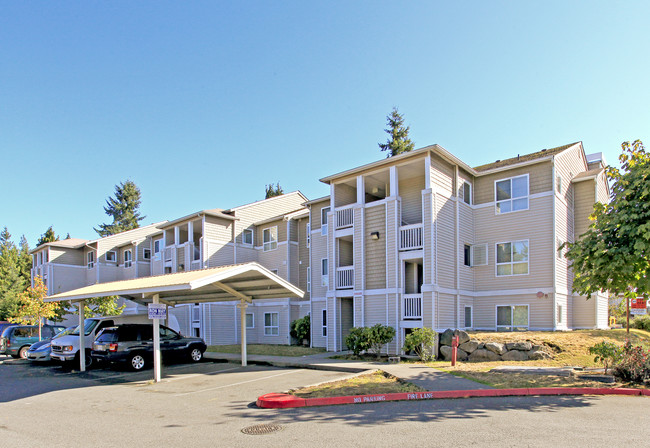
[[258, 430]]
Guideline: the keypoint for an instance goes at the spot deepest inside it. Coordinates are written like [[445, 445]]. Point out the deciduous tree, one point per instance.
[[33, 309]]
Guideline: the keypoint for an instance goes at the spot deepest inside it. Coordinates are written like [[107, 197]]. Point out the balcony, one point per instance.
[[345, 277], [412, 306], [344, 217], [410, 237]]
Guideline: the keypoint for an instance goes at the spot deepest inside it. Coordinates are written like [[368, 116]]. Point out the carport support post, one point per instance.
[[242, 314], [82, 336], [156, 344]]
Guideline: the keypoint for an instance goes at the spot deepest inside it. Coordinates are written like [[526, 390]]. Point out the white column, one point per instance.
[[427, 172], [394, 189], [242, 312], [82, 336], [177, 235], [156, 344], [190, 231], [361, 190]]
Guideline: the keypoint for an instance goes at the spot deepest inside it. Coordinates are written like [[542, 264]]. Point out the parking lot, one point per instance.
[[208, 404]]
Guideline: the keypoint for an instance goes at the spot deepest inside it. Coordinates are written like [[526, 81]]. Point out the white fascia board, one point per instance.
[[125, 292]]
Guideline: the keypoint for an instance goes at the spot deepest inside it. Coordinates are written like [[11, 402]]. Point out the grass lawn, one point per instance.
[[267, 349], [378, 382]]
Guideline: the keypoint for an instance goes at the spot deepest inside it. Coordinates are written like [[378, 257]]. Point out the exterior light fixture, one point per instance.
[[374, 235]]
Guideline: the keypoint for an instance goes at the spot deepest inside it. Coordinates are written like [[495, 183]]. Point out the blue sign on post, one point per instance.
[[157, 311]]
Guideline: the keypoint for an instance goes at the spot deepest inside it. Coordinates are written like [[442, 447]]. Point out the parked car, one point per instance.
[[4, 324], [40, 351], [17, 339], [132, 344]]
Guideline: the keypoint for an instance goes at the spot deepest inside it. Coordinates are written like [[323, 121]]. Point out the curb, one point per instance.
[[282, 401]]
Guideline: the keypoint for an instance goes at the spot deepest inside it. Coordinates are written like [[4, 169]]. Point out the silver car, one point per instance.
[[40, 351]]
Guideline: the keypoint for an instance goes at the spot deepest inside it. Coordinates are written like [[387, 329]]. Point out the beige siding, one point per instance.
[[540, 311], [217, 229], [442, 175], [446, 311], [392, 230], [346, 319], [375, 309], [358, 248], [64, 278], [584, 312], [466, 215], [218, 254], [62, 255], [318, 252], [540, 180], [410, 192], [446, 242], [603, 195], [315, 214], [317, 338], [584, 205], [274, 260], [266, 209], [282, 231], [344, 195], [303, 255]]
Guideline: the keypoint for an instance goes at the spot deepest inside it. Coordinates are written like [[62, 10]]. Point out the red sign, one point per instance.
[[639, 303]]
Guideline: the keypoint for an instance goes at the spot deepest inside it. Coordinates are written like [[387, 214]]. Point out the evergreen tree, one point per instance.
[[124, 209], [273, 190], [25, 260], [399, 141], [48, 237], [12, 283]]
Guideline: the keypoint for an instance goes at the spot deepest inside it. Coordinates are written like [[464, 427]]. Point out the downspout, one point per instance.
[[553, 311], [309, 264], [457, 249]]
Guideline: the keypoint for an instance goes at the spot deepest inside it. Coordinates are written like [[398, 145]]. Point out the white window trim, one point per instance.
[[324, 323], [271, 327], [472, 263], [470, 193], [90, 259], [496, 202], [308, 278], [128, 263], [324, 275], [270, 243], [324, 227], [252, 234], [512, 315], [114, 256], [308, 235], [496, 259], [144, 254], [156, 254], [253, 319], [471, 315]]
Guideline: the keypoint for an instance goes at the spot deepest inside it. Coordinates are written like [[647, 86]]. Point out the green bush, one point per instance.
[[379, 335], [641, 322], [633, 364], [357, 340], [300, 329], [421, 341], [606, 352]]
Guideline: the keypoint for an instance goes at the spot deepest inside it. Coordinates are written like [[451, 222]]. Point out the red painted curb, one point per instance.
[[291, 401]]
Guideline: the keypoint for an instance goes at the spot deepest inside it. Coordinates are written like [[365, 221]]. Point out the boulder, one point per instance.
[[495, 347], [462, 336], [469, 346], [481, 345], [445, 351], [523, 346], [481, 355], [538, 354], [445, 338], [515, 355]]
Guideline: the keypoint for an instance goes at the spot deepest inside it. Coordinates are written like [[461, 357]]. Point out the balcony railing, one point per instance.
[[345, 277], [412, 306], [344, 217], [410, 237]]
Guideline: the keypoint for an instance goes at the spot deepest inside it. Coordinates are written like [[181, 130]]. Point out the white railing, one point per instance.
[[412, 306], [345, 277], [410, 237], [344, 217], [168, 252], [196, 264]]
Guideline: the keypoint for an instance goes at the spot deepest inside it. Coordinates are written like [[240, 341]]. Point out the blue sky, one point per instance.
[[203, 103]]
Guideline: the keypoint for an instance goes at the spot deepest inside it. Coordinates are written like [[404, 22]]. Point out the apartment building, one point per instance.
[[417, 240], [424, 240]]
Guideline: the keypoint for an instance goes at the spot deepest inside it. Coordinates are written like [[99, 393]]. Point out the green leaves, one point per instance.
[[124, 209], [399, 141]]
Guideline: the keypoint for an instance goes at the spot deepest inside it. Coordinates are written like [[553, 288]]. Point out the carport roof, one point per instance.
[[225, 283]]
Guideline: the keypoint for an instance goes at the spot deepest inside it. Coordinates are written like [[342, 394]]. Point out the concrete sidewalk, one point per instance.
[[423, 376]]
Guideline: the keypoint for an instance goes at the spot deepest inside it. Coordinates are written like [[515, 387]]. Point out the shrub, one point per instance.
[[300, 329], [421, 341], [379, 335], [641, 322], [357, 340], [633, 364], [606, 352]]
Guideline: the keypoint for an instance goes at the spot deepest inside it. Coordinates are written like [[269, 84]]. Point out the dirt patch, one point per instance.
[[378, 382]]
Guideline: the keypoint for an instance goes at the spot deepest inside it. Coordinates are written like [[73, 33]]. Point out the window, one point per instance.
[[274, 271], [512, 318], [308, 279], [271, 324], [270, 238], [47, 255], [511, 194], [167, 334], [467, 193], [128, 258], [111, 256], [468, 317], [323, 220], [196, 313], [250, 320], [146, 254], [90, 259], [467, 255], [324, 323], [324, 270], [156, 248], [308, 235], [247, 237], [512, 258], [478, 255]]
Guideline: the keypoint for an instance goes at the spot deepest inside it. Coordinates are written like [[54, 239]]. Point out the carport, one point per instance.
[[244, 282]]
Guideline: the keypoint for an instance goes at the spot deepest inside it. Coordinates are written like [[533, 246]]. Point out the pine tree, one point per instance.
[[123, 208], [399, 141], [25, 260], [48, 237], [12, 283], [273, 190]]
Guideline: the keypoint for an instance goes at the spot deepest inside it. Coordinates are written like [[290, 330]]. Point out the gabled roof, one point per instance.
[[317, 200], [70, 243], [216, 212], [586, 175], [295, 214], [543, 154], [297, 192]]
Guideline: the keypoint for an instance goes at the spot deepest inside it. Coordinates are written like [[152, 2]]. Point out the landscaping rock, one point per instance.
[[538, 354], [445, 338], [481, 354], [481, 345], [524, 346], [469, 346], [515, 355], [462, 336], [445, 352], [495, 347]]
